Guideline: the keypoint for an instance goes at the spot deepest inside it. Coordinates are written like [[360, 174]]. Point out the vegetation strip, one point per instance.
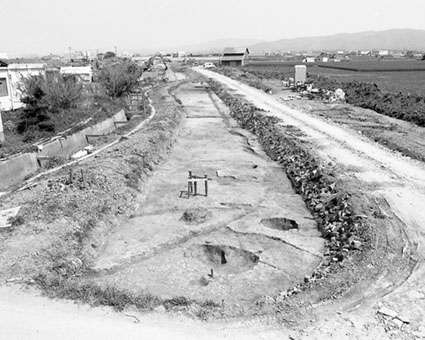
[[330, 205]]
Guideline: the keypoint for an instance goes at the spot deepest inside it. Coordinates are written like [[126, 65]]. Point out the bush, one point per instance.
[[44, 96], [119, 79]]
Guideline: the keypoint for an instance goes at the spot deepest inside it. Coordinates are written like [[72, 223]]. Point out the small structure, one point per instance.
[[234, 56], [309, 60], [84, 73], [10, 77], [192, 185], [300, 74]]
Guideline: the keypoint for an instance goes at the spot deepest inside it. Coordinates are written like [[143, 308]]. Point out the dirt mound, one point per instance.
[[196, 215]]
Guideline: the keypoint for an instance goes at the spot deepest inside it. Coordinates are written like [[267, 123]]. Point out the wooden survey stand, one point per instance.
[[192, 185]]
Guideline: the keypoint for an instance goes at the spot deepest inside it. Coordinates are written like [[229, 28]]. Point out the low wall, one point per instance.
[[66, 146], [14, 170]]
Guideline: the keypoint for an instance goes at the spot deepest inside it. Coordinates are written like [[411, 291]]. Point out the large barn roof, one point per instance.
[[239, 57], [235, 50]]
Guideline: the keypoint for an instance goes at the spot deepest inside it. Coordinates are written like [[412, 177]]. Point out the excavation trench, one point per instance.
[[264, 242]]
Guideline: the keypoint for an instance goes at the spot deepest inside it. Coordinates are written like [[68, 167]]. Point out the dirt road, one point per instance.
[[397, 181], [28, 316]]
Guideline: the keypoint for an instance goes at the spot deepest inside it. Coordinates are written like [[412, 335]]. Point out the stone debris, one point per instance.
[[7, 215], [387, 312], [330, 206]]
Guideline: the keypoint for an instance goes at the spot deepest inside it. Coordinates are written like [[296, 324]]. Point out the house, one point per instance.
[[309, 60], [84, 73], [365, 53], [234, 56], [11, 76]]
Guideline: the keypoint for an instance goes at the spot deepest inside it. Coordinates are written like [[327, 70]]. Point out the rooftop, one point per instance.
[[235, 50]]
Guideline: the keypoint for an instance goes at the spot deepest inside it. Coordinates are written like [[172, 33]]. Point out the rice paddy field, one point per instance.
[[390, 76]]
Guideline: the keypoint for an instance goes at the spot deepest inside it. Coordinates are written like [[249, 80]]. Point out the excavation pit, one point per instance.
[[279, 223], [212, 247], [225, 259]]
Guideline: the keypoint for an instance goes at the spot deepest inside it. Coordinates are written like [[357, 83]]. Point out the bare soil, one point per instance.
[[248, 240], [388, 189], [158, 251]]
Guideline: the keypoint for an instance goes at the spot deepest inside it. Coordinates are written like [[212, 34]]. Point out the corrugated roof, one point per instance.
[[232, 57], [25, 66], [76, 70], [235, 50]]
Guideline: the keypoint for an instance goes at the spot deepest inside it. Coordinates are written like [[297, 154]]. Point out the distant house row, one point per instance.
[[11, 76]]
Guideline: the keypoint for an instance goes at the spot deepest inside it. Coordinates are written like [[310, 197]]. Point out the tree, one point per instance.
[[109, 54], [118, 79], [43, 97]]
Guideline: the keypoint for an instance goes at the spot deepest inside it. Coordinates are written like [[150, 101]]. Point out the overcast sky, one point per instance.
[[51, 26]]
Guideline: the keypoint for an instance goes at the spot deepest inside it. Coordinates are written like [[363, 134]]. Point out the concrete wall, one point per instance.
[[5, 100], [66, 146], [1, 129], [14, 170]]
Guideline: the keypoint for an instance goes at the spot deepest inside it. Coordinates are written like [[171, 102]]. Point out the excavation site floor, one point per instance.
[[251, 235]]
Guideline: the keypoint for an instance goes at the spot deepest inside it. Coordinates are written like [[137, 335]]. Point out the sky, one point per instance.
[[53, 26]]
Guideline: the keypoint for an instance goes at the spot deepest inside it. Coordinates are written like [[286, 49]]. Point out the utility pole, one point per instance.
[[70, 54], [115, 48]]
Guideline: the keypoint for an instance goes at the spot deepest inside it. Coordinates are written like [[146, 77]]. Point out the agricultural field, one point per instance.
[[377, 66], [412, 82], [390, 76]]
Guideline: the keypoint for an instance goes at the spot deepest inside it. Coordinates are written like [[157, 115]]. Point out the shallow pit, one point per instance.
[[225, 259], [279, 223]]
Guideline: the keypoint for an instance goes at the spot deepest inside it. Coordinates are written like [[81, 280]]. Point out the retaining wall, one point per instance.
[[66, 146], [14, 170]]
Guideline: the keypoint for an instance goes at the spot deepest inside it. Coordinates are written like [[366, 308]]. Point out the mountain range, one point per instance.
[[394, 39]]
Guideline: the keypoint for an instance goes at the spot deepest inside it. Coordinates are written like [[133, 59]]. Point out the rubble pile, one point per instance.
[[330, 206], [400, 105]]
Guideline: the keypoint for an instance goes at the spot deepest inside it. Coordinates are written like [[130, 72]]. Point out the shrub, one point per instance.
[[119, 79], [44, 96]]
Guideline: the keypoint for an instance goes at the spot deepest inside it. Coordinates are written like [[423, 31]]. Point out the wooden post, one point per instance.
[[206, 185], [189, 185], [196, 187]]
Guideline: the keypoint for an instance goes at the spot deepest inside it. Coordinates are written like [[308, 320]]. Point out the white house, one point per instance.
[[11, 76], [85, 73]]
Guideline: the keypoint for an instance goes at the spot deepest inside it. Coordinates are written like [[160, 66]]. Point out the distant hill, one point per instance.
[[396, 39]]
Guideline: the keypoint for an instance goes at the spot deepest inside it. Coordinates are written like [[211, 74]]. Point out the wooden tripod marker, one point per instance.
[[192, 184]]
